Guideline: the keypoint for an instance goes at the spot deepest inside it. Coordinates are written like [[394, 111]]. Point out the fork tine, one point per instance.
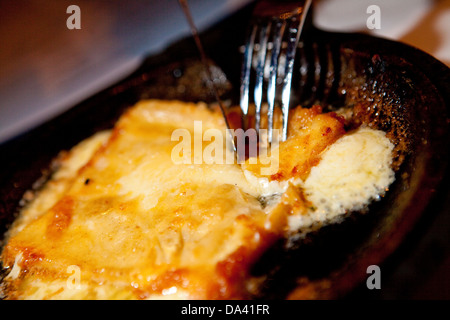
[[261, 62], [245, 83], [294, 31], [271, 88], [286, 91]]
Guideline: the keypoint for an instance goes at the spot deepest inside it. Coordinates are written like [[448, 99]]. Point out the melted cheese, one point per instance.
[[353, 171], [138, 226]]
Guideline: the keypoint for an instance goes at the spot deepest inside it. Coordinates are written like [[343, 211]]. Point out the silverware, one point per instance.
[[270, 51], [185, 6]]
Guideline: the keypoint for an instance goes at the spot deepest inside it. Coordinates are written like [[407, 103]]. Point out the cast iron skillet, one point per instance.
[[406, 91]]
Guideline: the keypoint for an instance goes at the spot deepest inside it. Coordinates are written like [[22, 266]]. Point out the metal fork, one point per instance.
[[272, 42]]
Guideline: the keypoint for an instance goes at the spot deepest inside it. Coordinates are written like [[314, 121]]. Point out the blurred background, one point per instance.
[[45, 68]]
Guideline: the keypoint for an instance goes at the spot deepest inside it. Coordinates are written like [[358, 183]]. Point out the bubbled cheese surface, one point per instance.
[[138, 226]]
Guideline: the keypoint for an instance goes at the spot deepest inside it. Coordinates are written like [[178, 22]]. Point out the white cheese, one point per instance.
[[354, 171]]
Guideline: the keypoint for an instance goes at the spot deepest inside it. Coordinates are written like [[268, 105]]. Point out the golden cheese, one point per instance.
[[121, 220]]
